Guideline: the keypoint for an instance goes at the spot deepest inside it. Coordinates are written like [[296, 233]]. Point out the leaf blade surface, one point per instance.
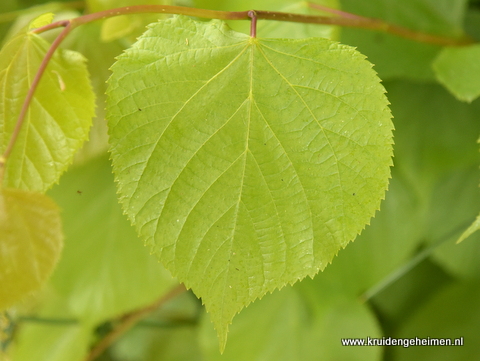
[[59, 116], [246, 163]]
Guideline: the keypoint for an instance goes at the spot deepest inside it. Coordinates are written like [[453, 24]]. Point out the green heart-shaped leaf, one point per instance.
[[246, 163]]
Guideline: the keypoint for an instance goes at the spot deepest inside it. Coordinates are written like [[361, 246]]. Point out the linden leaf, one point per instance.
[[41, 20], [246, 163], [59, 116]]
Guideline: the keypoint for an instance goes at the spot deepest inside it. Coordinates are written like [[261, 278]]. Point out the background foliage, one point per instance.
[[404, 276]]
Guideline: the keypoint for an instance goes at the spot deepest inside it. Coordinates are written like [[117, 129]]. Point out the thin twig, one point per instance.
[[129, 321]]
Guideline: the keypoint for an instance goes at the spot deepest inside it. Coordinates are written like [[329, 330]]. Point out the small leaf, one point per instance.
[[30, 243], [58, 119], [117, 27], [41, 20], [458, 69], [58, 343], [246, 163]]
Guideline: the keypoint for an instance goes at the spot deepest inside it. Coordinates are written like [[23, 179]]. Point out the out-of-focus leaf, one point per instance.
[[52, 342], [458, 69], [116, 27], [105, 269], [52, 333], [31, 240], [437, 153]]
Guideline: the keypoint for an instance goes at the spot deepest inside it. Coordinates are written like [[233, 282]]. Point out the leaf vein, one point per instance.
[[317, 121]]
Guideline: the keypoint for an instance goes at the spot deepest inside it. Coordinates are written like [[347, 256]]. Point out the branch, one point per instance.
[[129, 321], [342, 19], [151, 9]]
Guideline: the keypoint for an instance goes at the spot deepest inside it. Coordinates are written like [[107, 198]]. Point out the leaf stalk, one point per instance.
[[253, 25]]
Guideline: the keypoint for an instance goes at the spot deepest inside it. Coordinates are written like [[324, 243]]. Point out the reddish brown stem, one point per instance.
[[340, 13], [152, 9], [342, 19], [253, 24]]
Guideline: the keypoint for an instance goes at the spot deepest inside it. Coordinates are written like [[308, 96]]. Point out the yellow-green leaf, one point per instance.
[[59, 116], [245, 163], [30, 243], [41, 20]]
